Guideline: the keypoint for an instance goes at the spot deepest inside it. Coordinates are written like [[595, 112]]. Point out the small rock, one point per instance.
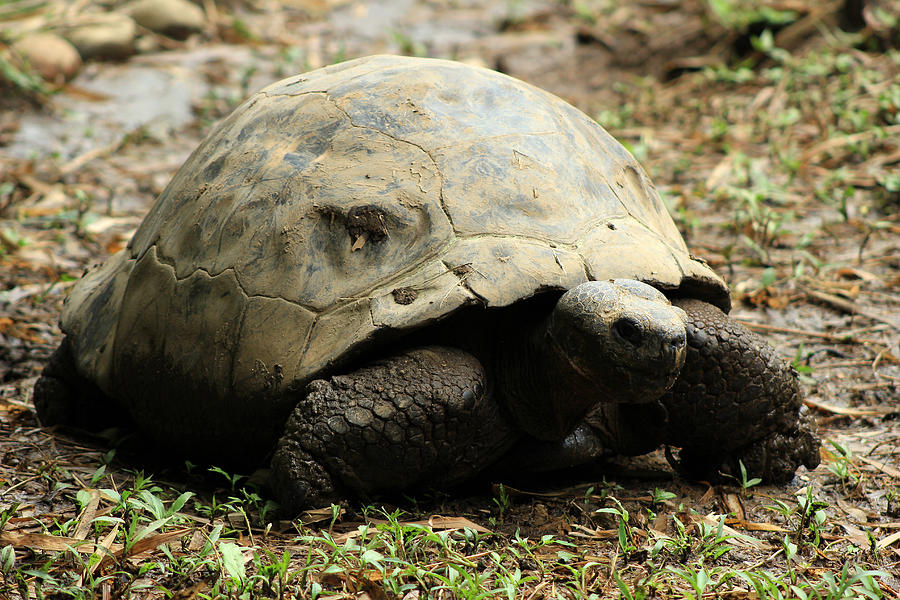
[[176, 19], [54, 58], [105, 36]]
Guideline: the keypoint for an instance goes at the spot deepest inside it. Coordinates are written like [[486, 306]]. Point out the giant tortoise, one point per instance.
[[393, 273]]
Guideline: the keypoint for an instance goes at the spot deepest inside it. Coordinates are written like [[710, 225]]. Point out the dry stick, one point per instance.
[[78, 161], [837, 142], [883, 467], [847, 339], [87, 516], [877, 362], [842, 364], [865, 387], [20, 484], [841, 410], [806, 25], [849, 307]]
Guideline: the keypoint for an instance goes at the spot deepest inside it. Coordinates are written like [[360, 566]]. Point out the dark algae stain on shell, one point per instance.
[[347, 205]]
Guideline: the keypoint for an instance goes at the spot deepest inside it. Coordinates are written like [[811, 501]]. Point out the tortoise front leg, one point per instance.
[[422, 418], [609, 429], [736, 400]]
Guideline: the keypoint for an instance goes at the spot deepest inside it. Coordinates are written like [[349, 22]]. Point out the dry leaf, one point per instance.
[[148, 543], [885, 542], [56, 543], [434, 523], [317, 515], [733, 503], [753, 525], [87, 516]]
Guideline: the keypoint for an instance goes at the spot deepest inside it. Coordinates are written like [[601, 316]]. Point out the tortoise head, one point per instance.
[[604, 341], [623, 336]]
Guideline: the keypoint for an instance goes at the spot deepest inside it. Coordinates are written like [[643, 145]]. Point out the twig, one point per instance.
[[21, 483], [837, 142], [88, 156], [843, 364], [848, 306], [886, 469], [840, 410], [865, 387], [846, 338]]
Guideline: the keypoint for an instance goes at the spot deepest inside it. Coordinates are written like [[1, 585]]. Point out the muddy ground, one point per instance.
[[785, 183]]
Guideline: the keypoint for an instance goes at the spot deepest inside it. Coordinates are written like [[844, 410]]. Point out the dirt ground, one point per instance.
[[774, 140]]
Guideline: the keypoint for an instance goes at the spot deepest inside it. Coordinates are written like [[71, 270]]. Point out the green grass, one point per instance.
[[149, 538]]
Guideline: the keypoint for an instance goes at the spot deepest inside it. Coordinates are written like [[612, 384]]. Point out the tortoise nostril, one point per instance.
[[678, 341], [629, 331]]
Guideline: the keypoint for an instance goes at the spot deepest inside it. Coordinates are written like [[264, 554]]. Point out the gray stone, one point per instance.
[[55, 59], [176, 19], [103, 36]]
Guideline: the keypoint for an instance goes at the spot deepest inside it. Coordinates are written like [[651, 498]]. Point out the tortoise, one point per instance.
[[395, 273]]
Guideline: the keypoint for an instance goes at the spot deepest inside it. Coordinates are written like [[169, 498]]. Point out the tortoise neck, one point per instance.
[[543, 389]]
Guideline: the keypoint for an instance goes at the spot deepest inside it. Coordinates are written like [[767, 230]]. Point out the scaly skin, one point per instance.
[[433, 416], [736, 399], [422, 418]]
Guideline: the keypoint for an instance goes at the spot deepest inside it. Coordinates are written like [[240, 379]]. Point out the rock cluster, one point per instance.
[[57, 54]]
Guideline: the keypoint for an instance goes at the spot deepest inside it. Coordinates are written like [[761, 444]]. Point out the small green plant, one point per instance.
[[502, 501], [812, 515], [408, 45], [7, 513], [745, 481], [22, 78], [841, 465], [627, 543], [242, 31], [738, 14], [713, 541], [233, 566], [890, 497], [800, 363], [232, 479], [699, 580], [660, 496], [678, 545]]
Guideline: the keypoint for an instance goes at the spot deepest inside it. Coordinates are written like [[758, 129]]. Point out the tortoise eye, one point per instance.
[[629, 331]]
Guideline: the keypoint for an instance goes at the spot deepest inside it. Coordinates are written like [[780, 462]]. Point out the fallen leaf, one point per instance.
[[736, 537], [57, 543], [434, 523], [733, 503], [148, 543], [753, 525], [317, 515], [359, 243], [87, 516], [885, 542]]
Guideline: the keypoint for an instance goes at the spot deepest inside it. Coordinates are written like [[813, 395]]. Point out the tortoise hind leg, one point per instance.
[[62, 397], [736, 400], [419, 419]]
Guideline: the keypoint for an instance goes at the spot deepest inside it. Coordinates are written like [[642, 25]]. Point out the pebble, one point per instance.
[[176, 19], [54, 58], [104, 36]]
